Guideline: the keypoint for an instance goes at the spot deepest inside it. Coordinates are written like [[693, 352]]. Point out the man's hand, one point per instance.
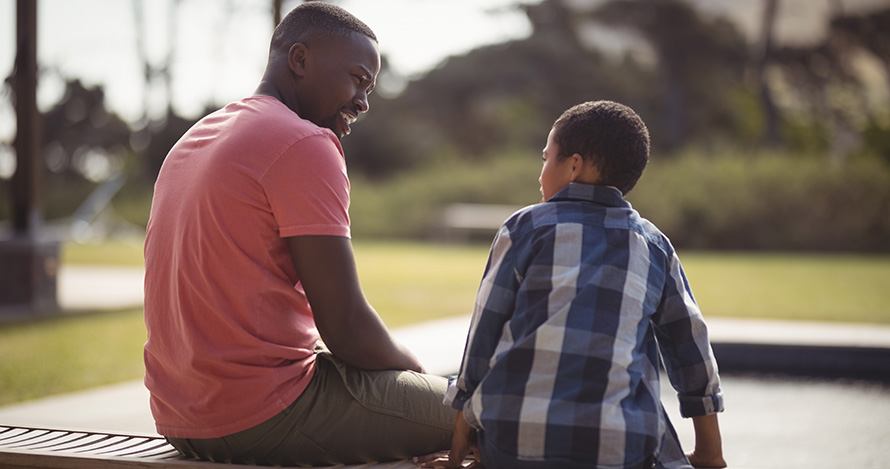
[[463, 441], [348, 325]]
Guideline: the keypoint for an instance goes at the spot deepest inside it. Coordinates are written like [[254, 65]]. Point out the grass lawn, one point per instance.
[[410, 282], [817, 287], [69, 353], [124, 252]]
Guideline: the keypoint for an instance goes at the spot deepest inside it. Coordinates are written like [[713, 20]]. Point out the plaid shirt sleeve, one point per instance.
[[683, 340], [494, 305]]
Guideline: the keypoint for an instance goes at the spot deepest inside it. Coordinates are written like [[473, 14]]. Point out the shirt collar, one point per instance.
[[603, 195]]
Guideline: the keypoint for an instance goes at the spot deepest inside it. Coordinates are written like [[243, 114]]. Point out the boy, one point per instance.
[[579, 296]]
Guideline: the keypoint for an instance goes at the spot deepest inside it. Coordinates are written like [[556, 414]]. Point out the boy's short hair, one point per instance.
[[610, 134], [315, 19]]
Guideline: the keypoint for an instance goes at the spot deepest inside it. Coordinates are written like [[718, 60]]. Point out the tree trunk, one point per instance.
[[771, 136]]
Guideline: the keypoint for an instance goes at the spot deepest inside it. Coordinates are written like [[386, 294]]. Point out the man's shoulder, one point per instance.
[[270, 116], [264, 128]]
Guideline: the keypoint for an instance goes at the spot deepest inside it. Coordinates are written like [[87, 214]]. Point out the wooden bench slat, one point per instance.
[[25, 437], [123, 444], [35, 448], [104, 441], [135, 450], [9, 433], [38, 439], [70, 437], [84, 440]]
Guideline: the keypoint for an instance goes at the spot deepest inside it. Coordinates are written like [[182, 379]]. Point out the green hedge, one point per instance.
[[769, 202], [727, 201]]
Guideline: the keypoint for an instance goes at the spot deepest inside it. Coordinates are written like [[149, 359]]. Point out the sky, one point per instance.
[[220, 46]]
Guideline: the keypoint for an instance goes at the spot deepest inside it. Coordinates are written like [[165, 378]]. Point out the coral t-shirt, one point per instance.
[[230, 332]]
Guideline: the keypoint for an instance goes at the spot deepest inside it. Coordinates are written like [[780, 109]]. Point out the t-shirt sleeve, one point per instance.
[[308, 189]]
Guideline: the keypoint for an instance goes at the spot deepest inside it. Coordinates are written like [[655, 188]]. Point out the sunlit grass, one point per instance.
[[122, 252], [69, 353], [412, 282], [817, 287]]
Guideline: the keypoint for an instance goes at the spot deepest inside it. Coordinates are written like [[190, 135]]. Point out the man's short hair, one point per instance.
[[610, 134], [313, 20]]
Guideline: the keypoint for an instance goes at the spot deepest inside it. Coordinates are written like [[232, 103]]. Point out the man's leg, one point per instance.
[[391, 414], [345, 416]]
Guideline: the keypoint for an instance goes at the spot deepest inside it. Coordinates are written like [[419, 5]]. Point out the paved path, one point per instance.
[[770, 422], [95, 287]]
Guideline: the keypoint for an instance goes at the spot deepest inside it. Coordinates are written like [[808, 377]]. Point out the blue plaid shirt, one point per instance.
[[561, 359]]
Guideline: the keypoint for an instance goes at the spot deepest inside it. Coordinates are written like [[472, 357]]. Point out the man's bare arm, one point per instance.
[[347, 323]]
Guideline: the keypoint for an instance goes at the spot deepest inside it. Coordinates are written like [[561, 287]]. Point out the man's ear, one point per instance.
[[296, 59]]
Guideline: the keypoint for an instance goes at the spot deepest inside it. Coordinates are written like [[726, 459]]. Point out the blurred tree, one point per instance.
[[496, 96], [82, 138], [83, 144], [771, 135], [508, 94], [827, 96], [700, 64], [870, 33]]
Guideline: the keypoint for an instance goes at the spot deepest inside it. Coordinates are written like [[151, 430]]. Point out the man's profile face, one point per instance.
[[340, 74]]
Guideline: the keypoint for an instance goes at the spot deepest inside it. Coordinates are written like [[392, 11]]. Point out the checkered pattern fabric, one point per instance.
[[580, 300]]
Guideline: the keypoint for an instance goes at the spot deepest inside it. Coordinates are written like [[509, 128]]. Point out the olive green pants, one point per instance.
[[345, 416]]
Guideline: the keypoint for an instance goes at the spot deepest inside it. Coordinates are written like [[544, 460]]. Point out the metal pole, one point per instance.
[[27, 182], [28, 262], [276, 12]]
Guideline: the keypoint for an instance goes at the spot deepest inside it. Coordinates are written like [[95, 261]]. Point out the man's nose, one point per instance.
[[361, 102]]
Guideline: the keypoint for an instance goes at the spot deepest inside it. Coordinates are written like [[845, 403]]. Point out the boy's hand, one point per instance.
[[462, 443], [708, 443], [714, 461], [442, 460]]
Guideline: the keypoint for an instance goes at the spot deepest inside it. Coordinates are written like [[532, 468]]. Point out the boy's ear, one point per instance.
[[584, 171], [577, 162], [296, 59]]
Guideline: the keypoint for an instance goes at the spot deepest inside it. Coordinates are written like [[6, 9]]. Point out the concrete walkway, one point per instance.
[[770, 422], [81, 287]]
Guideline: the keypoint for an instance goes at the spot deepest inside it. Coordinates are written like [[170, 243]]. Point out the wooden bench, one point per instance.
[[29, 448], [470, 222]]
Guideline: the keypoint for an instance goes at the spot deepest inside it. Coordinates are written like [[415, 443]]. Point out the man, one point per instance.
[[249, 262]]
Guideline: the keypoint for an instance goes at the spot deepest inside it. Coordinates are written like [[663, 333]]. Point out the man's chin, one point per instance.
[[339, 128]]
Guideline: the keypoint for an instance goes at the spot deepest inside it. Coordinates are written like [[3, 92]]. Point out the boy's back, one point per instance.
[[579, 296], [564, 311]]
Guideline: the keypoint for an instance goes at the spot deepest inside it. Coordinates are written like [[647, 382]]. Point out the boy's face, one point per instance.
[[557, 172]]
